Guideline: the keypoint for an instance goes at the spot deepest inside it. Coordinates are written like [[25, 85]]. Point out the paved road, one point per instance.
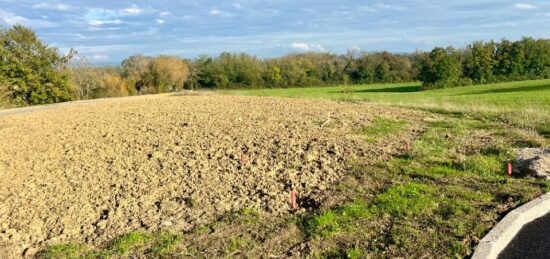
[[533, 241]]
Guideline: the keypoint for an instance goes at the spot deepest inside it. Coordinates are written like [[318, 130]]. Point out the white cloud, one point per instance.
[[381, 7], [391, 7], [164, 14], [236, 5], [159, 21], [355, 48], [218, 12], [131, 11], [307, 47], [102, 16], [13, 19], [525, 6], [52, 6], [103, 22], [99, 57]]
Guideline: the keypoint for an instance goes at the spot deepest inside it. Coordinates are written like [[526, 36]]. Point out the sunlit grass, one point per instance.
[[524, 104]]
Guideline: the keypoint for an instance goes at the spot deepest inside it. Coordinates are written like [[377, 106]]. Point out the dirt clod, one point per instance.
[[533, 162]]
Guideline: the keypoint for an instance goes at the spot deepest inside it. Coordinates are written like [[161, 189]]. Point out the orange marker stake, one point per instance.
[[509, 169], [293, 202], [242, 159]]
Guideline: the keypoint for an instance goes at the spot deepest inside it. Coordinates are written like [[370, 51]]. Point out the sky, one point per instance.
[[107, 31]]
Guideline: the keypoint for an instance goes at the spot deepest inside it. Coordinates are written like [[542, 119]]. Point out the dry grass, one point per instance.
[[528, 119]]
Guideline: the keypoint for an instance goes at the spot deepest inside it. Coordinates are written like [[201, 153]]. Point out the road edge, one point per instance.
[[501, 235]]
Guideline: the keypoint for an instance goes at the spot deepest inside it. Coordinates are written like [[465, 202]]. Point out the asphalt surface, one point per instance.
[[533, 241]]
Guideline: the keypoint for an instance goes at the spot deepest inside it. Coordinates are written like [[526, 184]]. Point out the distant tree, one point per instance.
[[441, 68], [136, 69], [86, 79], [537, 57], [168, 73], [32, 69], [480, 61], [272, 75], [382, 72], [114, 86], [362, 70]]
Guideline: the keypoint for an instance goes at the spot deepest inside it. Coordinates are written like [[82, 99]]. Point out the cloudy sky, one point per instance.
[[107, 31]]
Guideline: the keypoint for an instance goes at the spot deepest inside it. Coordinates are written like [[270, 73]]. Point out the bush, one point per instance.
[[114, 86]]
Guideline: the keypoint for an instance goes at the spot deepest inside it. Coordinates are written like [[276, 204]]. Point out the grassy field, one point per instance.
[[524, 104]]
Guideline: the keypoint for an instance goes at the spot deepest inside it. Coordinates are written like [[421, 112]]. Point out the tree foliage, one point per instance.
[[441, 68], [155, 75], [31, 68], [167, 73], [487, 62]]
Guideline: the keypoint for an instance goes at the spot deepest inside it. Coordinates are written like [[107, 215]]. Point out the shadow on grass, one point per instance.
[[385, 89], [511, 90], [391, 89]]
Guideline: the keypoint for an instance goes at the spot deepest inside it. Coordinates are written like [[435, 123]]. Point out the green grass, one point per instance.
[[126, 246], [432, 201], [64, 251], [382, 127], [525, 104]]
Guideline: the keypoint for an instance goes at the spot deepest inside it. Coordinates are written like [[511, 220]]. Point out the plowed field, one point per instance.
[[88, 172]]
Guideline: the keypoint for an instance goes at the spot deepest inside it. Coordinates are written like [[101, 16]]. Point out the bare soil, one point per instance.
[[88, 172]]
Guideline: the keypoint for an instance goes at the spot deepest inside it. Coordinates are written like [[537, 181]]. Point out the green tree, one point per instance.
[[480, 62], [32, 68], [382, 72], [441, 68], [272, 75]]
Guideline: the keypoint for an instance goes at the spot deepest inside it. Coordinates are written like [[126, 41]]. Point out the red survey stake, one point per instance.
[[293, 202]]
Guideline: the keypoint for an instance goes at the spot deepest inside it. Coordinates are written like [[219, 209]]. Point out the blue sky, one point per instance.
[[108, 31]]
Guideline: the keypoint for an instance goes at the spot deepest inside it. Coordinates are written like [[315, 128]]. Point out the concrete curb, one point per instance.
[[499, 237]]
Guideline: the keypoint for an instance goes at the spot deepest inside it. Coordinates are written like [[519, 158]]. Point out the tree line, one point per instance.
[[486, 62], [31, 72]]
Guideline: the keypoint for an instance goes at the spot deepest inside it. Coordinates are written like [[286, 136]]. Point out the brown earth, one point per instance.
[[90, 171]]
